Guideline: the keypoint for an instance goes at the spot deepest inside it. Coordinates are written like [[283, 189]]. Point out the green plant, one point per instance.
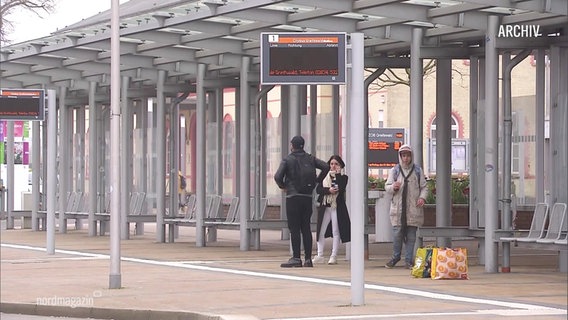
[[431, 197], [375, 183], [459, 190]]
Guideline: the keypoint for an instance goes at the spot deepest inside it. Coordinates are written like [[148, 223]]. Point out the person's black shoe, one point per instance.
[[391, 264], [292, 263], [308, 263]]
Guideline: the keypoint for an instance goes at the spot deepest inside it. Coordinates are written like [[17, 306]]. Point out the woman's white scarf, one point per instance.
[[329, 199]]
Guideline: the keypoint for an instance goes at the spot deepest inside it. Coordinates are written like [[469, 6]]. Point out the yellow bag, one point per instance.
[[422, 263], [448, 263]]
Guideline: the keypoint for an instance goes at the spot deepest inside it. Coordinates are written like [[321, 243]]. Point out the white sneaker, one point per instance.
[[332, 260], [318, 259]]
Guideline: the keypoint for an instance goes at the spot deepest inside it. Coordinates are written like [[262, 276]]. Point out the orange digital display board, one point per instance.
[[22, 104], [383, 145], [303, 58]]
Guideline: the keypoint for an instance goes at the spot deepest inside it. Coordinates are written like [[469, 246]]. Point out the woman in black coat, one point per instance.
[[333, 217]]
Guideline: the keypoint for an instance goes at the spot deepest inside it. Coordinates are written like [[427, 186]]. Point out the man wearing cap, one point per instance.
[[407, 185], [298, 204]]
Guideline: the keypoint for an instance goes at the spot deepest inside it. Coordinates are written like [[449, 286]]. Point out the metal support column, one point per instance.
[[358, 169], [480, 149], [473, 155], [416, 136], [63, 159], [284, 147], [51, 191], [443, 147], [295, 119], [36, 172], [244, 183], [93, 163], [125, 159], [491, 143], [201, 156], [160, 150], [313, 120], [115, 218], [507, 154], [540, 120], [337, 138], [10, 175]]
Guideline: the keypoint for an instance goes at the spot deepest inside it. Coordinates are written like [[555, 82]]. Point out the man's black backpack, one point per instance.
[[182, 182], [304, 172]]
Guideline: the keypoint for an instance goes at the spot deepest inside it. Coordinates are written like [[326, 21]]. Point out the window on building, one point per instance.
[[455, 128]]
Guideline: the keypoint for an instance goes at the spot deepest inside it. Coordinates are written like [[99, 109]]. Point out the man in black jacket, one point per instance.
[[298, 204]]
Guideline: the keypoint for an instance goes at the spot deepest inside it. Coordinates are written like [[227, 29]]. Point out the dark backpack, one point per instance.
[[304, 173], [182, 182]]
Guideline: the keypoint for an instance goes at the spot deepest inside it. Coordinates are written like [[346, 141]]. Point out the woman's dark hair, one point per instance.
[[337, 158]]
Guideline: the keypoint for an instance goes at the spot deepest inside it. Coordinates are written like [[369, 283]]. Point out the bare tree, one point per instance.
[[391, 78], [7, 7]]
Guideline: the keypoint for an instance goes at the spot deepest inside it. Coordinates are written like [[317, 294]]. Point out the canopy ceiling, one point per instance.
[[176, 36]]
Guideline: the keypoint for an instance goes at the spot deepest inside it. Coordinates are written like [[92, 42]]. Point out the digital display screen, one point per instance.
[[383, 147], [303, 58], [22, 104]]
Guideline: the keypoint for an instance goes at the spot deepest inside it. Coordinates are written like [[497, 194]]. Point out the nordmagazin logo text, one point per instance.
[[519, 31]]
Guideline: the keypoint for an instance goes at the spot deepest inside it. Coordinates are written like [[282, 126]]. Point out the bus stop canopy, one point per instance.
[[176, 36]]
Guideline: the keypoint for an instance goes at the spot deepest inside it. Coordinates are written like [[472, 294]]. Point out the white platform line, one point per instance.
[[429, 315], [522, 307]]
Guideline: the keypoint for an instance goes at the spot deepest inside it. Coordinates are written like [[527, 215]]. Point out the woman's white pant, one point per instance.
[[330, 214]]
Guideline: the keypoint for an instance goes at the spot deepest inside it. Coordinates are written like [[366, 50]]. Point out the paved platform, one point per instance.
[[181, 281]]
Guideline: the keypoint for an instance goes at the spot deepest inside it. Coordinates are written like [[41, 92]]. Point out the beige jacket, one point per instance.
[[417, 188]]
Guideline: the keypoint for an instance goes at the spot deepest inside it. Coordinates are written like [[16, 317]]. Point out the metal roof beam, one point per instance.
[[48, 71], [247, 28], [125, 47], [377, 23], [9, 83], [399, 32], [552, 6], [397, 11], [389, 62], [520, 43], [530, 17], [450, 52], [340, 5], [276, 16], [11, 68], [31, 79], [43, 60], [79, 53], [208, 27], [179, 54], [221, 45], [476, 35], [180, 67], [149, 47], [362, 4], [312, 14], [456, 9], [329, 24], [442, 31], [72, 84], [131, 60], [157, 36]]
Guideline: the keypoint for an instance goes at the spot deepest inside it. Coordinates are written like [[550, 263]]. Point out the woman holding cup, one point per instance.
[[333, 217]]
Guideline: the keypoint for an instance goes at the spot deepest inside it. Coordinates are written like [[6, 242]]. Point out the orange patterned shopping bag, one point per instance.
[[448, 263]]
